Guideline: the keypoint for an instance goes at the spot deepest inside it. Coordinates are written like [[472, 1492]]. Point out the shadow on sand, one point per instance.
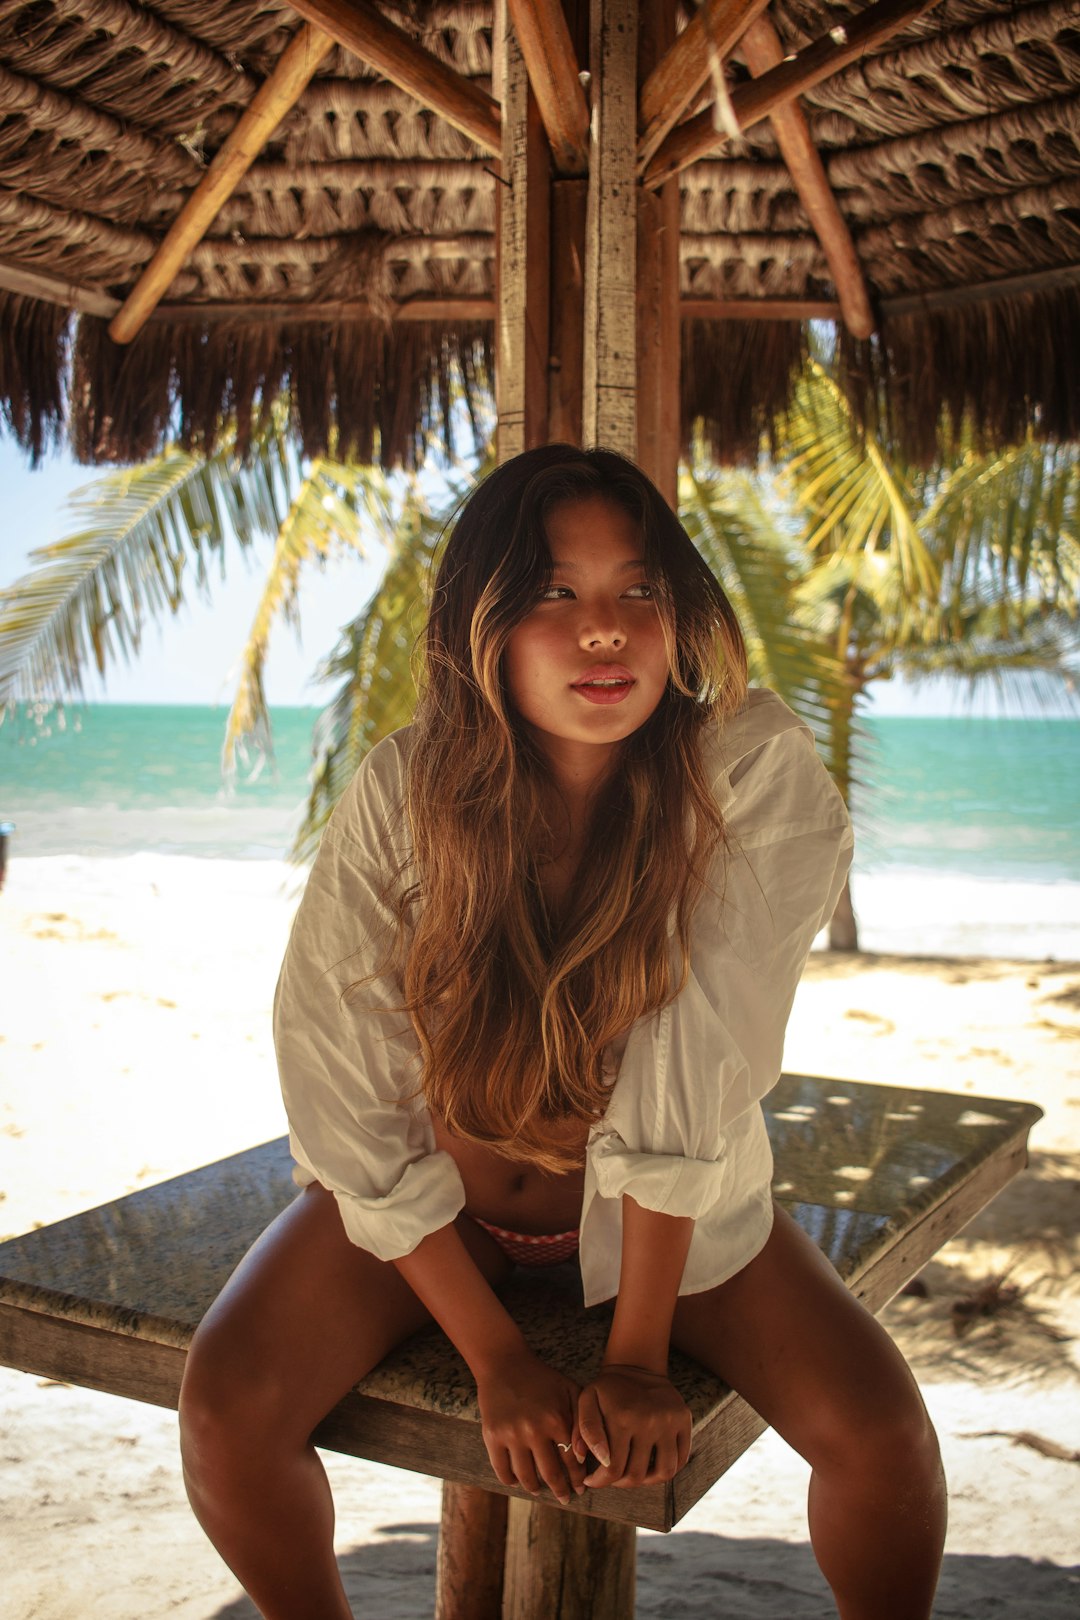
[[990, 1304], [691, 1576]]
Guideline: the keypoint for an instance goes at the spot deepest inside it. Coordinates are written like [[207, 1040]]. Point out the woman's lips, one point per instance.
[[610, 689]]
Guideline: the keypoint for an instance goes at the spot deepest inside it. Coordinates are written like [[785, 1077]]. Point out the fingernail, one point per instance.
[[580, 1456], [603, 1459]]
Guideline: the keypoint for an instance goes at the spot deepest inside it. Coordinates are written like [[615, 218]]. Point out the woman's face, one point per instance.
[[587, 665]]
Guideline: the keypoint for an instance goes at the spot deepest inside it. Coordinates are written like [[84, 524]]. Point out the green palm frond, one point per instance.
[[1007, 524], [374, 662], [1036, 642], [855, 498], [334, 505], [759, 564], [146, 536]]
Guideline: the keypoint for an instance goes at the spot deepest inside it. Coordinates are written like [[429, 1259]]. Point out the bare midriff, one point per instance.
[[514, 1193]]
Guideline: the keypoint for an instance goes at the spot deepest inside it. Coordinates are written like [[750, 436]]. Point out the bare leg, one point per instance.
[[787, 1334], [304, 1317]]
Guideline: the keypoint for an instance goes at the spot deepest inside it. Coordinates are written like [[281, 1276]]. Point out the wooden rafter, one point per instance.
[[544, 38], [758, 309], [366, 32], [681, 72], [54, 290], [941, 298], [269, 105], [762, 50], [699, 136]]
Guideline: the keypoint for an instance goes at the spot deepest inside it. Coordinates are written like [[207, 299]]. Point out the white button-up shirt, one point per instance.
[[683, 1132]]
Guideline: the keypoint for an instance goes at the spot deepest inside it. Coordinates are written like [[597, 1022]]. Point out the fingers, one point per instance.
[[591, 1428], [537, 1466]]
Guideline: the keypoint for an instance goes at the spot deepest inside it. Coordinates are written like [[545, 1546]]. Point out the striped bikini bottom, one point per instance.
[[525, 1249]]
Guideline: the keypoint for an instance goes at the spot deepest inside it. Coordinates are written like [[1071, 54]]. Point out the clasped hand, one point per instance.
[[634, 1422]]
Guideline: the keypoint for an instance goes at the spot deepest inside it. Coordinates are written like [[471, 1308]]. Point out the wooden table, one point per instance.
[[879, 1176]]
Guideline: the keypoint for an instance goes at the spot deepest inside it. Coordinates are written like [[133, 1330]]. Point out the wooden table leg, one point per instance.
[[472, 1538], [567, 1564]]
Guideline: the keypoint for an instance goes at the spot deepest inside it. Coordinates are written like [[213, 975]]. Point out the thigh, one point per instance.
[[307, 1314], [789, 1336]]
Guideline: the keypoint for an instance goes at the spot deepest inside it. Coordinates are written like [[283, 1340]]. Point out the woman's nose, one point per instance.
[[602, 628]]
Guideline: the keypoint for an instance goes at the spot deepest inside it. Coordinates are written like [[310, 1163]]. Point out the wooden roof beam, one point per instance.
[[699, 136], [552, 66], [681, 72], [366, 32], [264, 113], [762, 50]]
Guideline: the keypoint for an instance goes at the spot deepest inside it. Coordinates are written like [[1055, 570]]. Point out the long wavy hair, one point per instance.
[[513, 1005]]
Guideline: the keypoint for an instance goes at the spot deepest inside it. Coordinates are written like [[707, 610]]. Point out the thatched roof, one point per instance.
[[354, 268]]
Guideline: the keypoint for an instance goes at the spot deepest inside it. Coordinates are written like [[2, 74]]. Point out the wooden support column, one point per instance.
[[609, 365], [567, 1565], [569, 205], [472, 1538], [569, 210], [657, 293], [523, 202]]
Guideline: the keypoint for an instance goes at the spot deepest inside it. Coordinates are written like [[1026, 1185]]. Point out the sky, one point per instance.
[[193, 658]]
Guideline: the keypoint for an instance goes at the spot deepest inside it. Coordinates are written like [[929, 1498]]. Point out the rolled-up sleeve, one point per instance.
[[348, 1057], [683, 1134]]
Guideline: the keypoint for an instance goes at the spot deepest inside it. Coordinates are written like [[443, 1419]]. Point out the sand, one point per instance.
[[131, 987]]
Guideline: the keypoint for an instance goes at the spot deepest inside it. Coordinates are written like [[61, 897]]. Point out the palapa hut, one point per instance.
[[622, 213], [203, 207]]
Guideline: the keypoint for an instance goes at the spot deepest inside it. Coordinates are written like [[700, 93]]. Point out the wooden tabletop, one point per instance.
[[879, 1176]]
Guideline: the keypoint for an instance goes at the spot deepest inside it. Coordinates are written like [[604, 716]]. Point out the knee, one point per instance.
[[230, 1399], [890, 1436]]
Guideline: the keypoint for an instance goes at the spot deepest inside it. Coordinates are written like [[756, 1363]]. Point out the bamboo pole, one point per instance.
[[762, 50], [268, 107], [699, 136], [676, 79], [552, 66], [366, 32]]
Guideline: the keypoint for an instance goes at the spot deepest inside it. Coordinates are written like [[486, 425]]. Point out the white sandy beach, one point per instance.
[[135, 1044]]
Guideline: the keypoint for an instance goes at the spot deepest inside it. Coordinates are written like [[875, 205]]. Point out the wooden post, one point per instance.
[[523, 257], [569, 203], [657, 299], [569, 208], [562, 1565], [469, 1571], [610, 341]]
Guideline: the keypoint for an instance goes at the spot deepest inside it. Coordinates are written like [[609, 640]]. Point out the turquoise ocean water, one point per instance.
[[968, 828]]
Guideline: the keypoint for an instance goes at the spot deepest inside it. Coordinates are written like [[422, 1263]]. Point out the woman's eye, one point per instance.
[[554, 593], [642, 592]]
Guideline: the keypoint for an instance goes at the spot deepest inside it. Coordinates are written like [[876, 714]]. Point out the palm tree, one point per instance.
[[970, 568]]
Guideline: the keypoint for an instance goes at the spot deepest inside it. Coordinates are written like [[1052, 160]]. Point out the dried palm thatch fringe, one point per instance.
[[759, 360], [996, 365], [33, 360], [377, 391]]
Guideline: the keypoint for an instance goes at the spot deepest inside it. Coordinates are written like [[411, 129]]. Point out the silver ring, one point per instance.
[[567, 1445]]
